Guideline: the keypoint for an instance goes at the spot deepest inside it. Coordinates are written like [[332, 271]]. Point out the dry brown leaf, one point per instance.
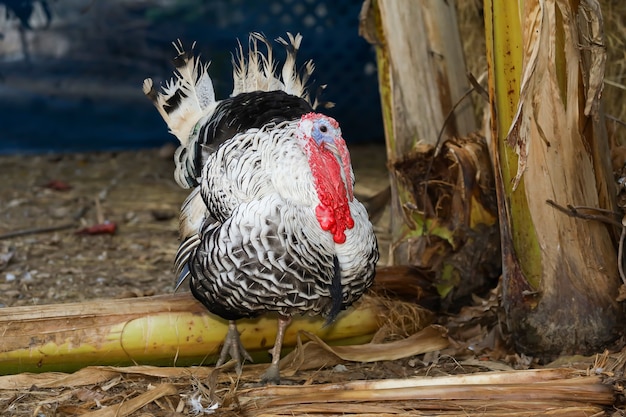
[[93, 375], [621, 295], [128, 407], [316, 354], [306, 357], [593, 50], [86, 395], [427, 340], [86, 376]]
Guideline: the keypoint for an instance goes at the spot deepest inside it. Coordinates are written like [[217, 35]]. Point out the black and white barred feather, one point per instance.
[[188, 105], [264, 250], [250, 240]]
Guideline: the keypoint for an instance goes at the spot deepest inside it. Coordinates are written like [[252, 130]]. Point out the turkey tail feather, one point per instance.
[[184, 99], [181, 261], [257, 72], [336, 293], [192, 215], [182, 276], [295, 81]]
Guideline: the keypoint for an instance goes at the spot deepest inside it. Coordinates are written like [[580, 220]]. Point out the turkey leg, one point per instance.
[[272, 374], [233, 347]]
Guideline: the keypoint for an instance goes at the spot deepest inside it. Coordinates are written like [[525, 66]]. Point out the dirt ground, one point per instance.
[[133, 189], [47, 200]]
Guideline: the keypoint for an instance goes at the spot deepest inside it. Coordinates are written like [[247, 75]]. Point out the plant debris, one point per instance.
[[98, 229]]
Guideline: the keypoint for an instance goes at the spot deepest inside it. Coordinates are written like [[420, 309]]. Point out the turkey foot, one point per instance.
[[272, 375], [233, 348]]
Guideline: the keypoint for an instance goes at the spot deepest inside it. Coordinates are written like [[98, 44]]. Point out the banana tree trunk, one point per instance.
[[443, 211], [548, 142], [421, 76]]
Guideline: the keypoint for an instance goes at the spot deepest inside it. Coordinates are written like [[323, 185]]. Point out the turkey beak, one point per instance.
[[331, 146], [335, 149]]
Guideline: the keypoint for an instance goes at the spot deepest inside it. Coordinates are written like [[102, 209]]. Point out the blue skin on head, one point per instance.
[[322, 132]]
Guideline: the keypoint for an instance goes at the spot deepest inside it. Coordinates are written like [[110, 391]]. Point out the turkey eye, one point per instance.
[[323, 129]]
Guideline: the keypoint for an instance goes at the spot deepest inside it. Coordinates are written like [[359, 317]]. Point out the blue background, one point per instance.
[[82, 90]]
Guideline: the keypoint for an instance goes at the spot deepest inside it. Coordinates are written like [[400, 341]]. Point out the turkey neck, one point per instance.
[[331, 174]]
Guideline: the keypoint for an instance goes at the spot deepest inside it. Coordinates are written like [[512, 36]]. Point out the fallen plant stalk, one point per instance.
[[160, 330], [509, 392]]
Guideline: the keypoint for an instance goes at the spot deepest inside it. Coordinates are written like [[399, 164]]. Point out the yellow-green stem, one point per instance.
[[504, 53]]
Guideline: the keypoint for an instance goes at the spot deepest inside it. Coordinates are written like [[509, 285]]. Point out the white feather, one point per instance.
[[192, 215], [187, 102], [257, 71], [192, 83], [295, 82]]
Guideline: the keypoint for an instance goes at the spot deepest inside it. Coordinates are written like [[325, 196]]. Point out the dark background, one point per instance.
[[71, 71]]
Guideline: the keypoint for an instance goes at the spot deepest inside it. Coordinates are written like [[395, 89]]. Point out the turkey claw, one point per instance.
[[271, 376], [233, 348]]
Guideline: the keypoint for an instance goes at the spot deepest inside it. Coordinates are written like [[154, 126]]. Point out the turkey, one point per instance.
[[271, 223]]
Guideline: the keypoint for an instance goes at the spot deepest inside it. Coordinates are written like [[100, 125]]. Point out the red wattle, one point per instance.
[[325, 217], [333, 212]]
